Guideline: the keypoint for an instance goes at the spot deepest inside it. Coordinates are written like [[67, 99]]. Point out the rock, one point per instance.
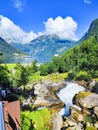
[[96, 125], [57, 122], [92, 83], [41, 101], [71, 124], [96, 111], [75, 108], [76, 113], [46, 97], [81, 83], [86, 111], [40, 90], [57, 86], [89, 101], [70, 121], [95, 88], [79, 126]]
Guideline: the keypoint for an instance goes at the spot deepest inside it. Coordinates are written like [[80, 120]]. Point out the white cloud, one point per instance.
[[18, 4], [64, 28], [87, 1], [11, 32]]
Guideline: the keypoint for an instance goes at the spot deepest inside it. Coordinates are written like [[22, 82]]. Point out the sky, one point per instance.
[[24, 20]]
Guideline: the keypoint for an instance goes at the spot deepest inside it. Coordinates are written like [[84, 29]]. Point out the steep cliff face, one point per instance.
[[92, 31]]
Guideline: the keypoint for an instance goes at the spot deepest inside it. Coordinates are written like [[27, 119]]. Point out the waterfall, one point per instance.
[[2, 126], [66, 95]]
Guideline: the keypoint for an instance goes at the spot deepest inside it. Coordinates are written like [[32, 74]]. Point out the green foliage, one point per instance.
[[34, 67], [35, 77], [4, 76], [91, 128], [80, 61], [71, 75], [12, 97], [82, 94], [7, 50], [35, 120], [83, 75], [44, 69], [19, 76]]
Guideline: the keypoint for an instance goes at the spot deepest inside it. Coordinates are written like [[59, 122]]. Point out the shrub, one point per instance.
[[82, 94], [83, 75]]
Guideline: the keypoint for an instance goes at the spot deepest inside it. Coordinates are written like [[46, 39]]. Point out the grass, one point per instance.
[[37, 120], [9, 66], [55, 77]]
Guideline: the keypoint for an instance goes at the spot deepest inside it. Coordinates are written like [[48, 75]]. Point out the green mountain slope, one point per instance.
[[45, 46], [49, 46], [7, 50], [81, 61], [92, 31]]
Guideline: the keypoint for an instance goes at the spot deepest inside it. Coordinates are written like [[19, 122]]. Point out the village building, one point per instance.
[[10, 115]]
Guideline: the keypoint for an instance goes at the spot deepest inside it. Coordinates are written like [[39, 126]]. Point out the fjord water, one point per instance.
[[27, 59], [66, 96]]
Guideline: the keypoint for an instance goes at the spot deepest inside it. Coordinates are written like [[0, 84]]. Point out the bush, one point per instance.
[[83, 75], [12, 97], [71, 75], [91, 128], [82, 94], [35, 120]]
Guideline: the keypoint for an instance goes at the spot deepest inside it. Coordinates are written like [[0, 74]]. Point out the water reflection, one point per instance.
[[27, 59]]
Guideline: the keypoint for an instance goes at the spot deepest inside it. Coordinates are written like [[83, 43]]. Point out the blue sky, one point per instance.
[[33, 15]]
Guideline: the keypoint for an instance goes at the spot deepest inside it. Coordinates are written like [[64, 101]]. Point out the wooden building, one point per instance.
[[10, 113]]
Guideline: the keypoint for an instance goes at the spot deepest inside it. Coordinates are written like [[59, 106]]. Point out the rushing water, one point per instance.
[[66, 95]]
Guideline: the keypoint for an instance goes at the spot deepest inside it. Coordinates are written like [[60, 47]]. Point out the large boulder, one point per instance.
[[96, 111], [95, 88], [57, 122], [45, 95], [87, 99]]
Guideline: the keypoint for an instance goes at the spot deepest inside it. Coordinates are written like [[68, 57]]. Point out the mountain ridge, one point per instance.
[[46, 45], [92, 31], [7, 51]]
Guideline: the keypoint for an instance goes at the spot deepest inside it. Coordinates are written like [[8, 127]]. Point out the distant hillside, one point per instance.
[[45, 46], [49, 46], [7, 50]]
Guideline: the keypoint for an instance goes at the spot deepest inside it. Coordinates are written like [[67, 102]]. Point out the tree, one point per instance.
[[4, 76], [19, 76], [44, 69], [34, 66]]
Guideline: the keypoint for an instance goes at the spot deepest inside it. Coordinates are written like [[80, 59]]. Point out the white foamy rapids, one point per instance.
[[66, 95]]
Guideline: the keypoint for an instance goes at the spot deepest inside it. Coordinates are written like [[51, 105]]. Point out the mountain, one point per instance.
[[81, 61], [92, 31], [48, 46], [23, 47], [7, 50]]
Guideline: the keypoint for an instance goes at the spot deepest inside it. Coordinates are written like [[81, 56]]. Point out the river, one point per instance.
[[66, 95]]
